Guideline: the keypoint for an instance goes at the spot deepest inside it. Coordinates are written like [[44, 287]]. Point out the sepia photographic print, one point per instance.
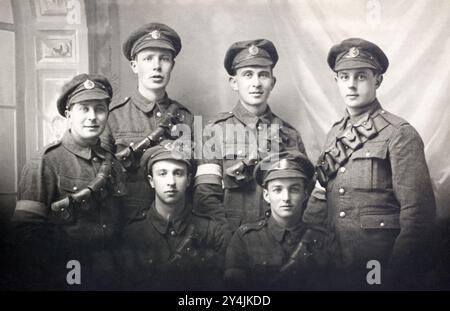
[[207, 145]]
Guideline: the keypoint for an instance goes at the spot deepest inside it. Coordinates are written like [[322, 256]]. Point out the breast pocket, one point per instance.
[[379, 231], [370, 167]]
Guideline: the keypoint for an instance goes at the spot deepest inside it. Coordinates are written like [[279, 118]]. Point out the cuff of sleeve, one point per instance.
[[208, 179], [34, 207], [209, 169]]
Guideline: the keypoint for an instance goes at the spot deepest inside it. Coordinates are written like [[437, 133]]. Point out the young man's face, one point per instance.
[[357, 87], [170, 178], [253, 84], [87, 120], [153, 67], [286, 197]]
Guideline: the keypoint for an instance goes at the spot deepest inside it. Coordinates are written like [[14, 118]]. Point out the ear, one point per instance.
[[150, 181], [67, 114], [274, 81], [173, 63], [133, 65], [189, 179], [233, 83], [379, 79], [266, 195]]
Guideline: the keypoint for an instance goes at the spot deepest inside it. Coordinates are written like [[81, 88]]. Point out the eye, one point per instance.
[[147, 58], [101, 109], [276, 190], [85, 108], [361, 77], [296, 190], [264, 75], [166, 58], [343, 77], [247, 74], [162, 173], [179, 173]]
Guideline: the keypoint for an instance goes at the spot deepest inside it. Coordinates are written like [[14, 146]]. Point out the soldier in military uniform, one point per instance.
[[224, 186], [374, 192], [149, 114], [172, 248], [277, 252], [68, 204]]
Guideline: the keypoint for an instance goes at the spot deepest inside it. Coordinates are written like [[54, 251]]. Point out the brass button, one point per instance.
[[75, 188], [158, 114], [104, 226], [259, 127], [239, 152], [172, 233], [367, 154], [342, 214], [383, 112], [341, 190], [342, 169], [95, 159], [381, 224]]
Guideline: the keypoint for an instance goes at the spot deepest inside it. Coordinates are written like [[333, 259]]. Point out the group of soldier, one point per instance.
[[122, 197]]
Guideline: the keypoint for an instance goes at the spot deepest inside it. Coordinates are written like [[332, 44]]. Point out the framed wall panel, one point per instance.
[[56, 46], [51, 124]]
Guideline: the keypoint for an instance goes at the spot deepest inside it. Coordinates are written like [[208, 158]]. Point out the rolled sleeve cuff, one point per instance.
[[34, 207]]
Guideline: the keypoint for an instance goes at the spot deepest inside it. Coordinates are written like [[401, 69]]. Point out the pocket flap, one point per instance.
[[371, 150], [389, 221], [72, 184]]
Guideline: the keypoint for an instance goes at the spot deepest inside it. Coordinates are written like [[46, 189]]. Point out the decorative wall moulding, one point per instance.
[[56, 46]]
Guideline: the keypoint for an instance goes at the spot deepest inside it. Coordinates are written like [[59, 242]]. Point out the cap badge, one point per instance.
[[353, 52], [88, 85], [253, 50], [155, 34]]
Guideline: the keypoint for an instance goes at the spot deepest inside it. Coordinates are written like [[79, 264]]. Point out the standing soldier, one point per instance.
[[142, 120], [278, 252], [375, 194], [68, 199], [172, 248], [224, 186]]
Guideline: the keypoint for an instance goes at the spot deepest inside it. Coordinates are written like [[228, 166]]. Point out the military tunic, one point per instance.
[[379, 202], [86, 233], [234, 195], [183, 253], [130, 121], [258, 251]]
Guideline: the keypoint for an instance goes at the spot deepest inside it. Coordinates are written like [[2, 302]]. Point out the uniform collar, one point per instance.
[[279, 231], [178, 223], [250, 119], [374, 108], [146, 105], [82, 151]]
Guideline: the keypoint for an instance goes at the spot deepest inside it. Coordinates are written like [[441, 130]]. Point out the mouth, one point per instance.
[[257, 93], [156, 78], [91, 127], [352, 96], [286, 206], [171, 192]]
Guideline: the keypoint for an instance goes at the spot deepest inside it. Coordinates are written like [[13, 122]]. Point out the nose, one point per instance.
[[351, 83], [156, 64], [256, 82], [170, 180], [285, 195], [91, 114]]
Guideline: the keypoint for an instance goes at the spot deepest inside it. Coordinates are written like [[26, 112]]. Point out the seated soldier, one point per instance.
[[172, 248], [68, 204], [277, 253]]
